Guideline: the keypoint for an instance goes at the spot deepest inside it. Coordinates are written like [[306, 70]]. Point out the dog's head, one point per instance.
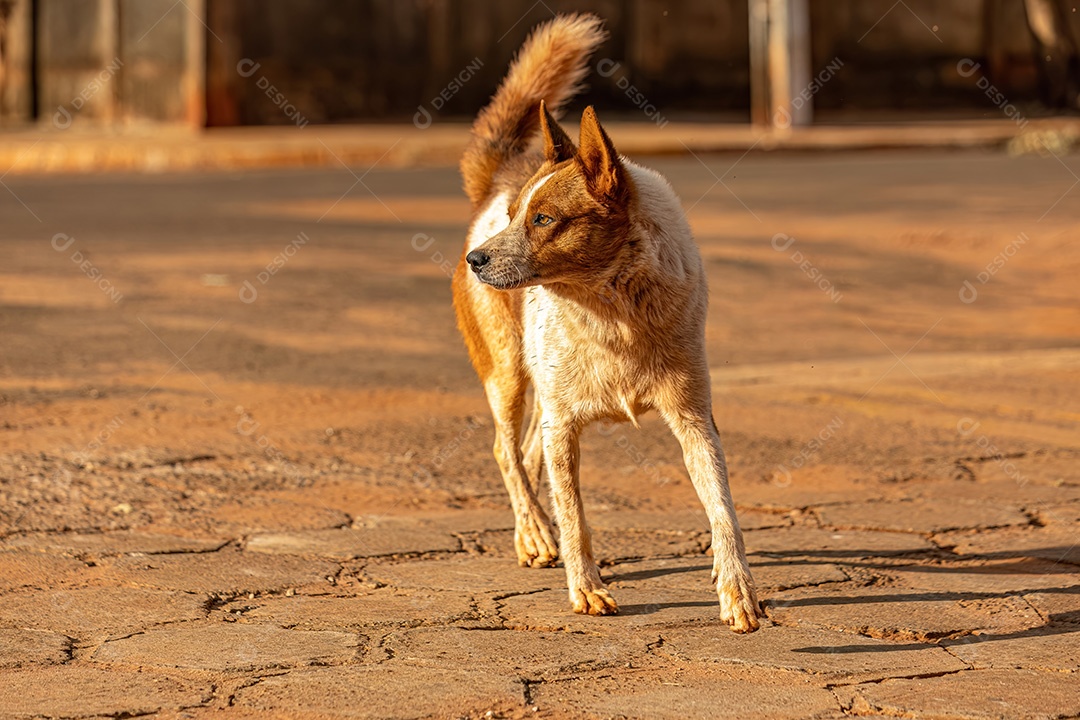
[[571, 219]]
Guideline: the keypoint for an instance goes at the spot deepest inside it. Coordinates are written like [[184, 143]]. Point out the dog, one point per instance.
[[580, 276]]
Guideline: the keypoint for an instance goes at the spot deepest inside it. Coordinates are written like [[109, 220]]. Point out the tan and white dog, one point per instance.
[[580, 275]]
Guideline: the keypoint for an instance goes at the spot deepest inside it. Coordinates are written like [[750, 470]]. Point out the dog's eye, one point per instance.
[[543, 220]]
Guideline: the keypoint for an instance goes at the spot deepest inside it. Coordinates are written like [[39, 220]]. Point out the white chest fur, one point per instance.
[[573, 366]]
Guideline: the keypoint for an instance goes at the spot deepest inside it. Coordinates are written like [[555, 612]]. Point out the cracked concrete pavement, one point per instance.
[[212, 508]]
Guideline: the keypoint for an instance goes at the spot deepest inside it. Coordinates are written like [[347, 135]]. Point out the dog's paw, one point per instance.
[[739, 606], [534, 541], [593, 602]]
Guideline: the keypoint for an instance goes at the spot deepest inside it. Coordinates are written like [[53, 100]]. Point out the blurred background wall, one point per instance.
[[215, 62], [115, 61]]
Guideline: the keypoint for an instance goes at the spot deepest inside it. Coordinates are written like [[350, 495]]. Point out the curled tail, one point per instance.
[[550, 66]]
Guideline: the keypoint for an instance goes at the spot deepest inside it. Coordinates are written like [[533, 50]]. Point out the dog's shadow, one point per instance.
[[652, 608], [649, 574], [1025, 563]]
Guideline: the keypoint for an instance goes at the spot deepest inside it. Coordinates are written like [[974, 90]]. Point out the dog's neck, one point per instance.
[[649, 290], [655, 284]]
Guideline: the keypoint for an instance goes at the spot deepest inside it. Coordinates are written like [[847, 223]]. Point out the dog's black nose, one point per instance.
[[478, 259]]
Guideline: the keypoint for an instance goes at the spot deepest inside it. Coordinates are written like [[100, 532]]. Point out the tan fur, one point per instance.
[[582, 278]]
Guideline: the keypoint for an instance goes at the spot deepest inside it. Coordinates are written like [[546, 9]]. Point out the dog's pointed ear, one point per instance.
[[600, 163], [557, 144]]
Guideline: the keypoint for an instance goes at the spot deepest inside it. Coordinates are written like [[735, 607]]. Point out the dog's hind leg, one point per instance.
[[532, 448]]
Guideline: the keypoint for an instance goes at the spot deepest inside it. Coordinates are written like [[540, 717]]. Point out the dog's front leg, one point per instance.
[[561, 452], [534, 538], [704, 457]]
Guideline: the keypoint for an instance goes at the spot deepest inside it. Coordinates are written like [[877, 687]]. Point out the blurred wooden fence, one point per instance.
[[253, 62]]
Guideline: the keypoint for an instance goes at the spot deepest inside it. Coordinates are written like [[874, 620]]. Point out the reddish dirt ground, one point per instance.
[[212, 507]]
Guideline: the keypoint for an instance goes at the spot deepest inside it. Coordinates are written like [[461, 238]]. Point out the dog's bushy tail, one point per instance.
[[550, 66]]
